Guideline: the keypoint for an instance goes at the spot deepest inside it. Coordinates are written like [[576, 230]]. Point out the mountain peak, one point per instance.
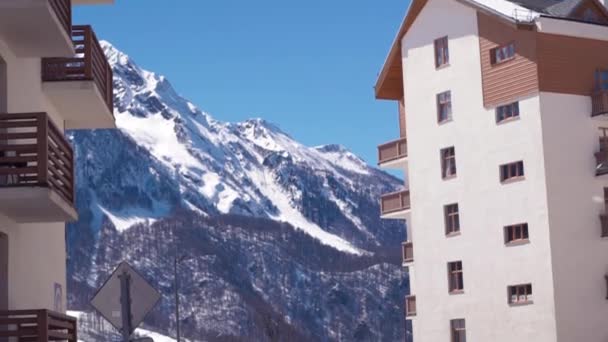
[[329, 148]]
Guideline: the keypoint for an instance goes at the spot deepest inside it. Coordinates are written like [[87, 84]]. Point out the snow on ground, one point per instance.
[[125, 219], [345, 160], [508, 8], [158, 136], [287, 213]]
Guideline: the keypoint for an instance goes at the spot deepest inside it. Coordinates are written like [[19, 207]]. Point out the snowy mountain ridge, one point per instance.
[[231, 164], [286, 240]]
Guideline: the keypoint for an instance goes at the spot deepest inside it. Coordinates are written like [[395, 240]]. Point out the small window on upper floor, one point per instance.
[[516, 233], [448, 163], [458, 330], [520, 294], [452, 219], [442, 54], [512, 171], [455, 277], [601, 80], [589, 15], [444, 106], [502, 53], [507, 112]]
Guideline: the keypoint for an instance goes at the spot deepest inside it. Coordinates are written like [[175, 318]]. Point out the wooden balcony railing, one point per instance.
[[392, 150], [33, 152], [407, 249], [410, 306], [604, 222], [599, 102], [38, 326], [601, 157], [394, 202], [63, 10], [89, 64]]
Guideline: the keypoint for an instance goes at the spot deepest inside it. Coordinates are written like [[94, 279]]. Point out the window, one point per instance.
[[506, 112], [606, 277], [520, 294], [444, 106], [516, 233], [511, 171], [448, 162], [455, 277], [591, 16], [601, 80], [442, 54], [452, 219], [458, 331], [503, 53]]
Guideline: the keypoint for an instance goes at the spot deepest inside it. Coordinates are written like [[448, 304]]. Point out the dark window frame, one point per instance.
[[601, 79], [442, 52], [458, 331], [507, 112], [451, 213], [448, 162], [503, 53], [512, 171], [516, 233], [520, 294], [444, 106], [455, 277]]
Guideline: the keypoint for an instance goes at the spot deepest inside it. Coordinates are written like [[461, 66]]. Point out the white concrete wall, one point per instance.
[[576, 199], [486, 206], [37, 258], [37, 261], [25, 86]]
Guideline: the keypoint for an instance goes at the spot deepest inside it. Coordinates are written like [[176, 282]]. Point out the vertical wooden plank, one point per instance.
[[43, 148], [43, 326], [402, 121], [88, 65]]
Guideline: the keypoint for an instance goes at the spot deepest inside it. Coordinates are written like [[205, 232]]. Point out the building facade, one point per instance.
[[503, 110], [53, 77]]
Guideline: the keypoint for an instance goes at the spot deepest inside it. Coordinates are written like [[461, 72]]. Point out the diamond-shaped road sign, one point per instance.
[[143, 297]]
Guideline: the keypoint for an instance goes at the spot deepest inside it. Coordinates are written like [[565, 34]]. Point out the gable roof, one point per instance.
[[389, 84]]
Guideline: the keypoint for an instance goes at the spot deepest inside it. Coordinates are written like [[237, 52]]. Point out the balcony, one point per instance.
[[601, 157], [410, 306], [81, 86], [393, 155], [37, 325], [395, 205], [407, 251], [36, 170], [37, 28], [599, 103]]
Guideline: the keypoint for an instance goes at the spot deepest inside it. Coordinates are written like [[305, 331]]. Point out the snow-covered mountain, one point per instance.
[[169, 161]]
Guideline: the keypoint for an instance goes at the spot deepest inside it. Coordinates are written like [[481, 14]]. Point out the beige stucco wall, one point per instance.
[[24, 86], [576, 199], [37, 258], [37, 262], [486, 205]]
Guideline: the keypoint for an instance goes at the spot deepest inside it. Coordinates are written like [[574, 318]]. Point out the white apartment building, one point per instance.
[[53, 76], [503, 114]]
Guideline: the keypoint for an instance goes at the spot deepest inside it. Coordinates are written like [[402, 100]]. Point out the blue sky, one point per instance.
[[307, 66]]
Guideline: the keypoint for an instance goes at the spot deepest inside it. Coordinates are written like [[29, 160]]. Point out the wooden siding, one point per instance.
[[596, 7], [402, 119], [389, 85], [515, 78], [567, 64]]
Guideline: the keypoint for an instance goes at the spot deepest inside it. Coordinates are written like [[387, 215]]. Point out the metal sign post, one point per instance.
[[125, 299]]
